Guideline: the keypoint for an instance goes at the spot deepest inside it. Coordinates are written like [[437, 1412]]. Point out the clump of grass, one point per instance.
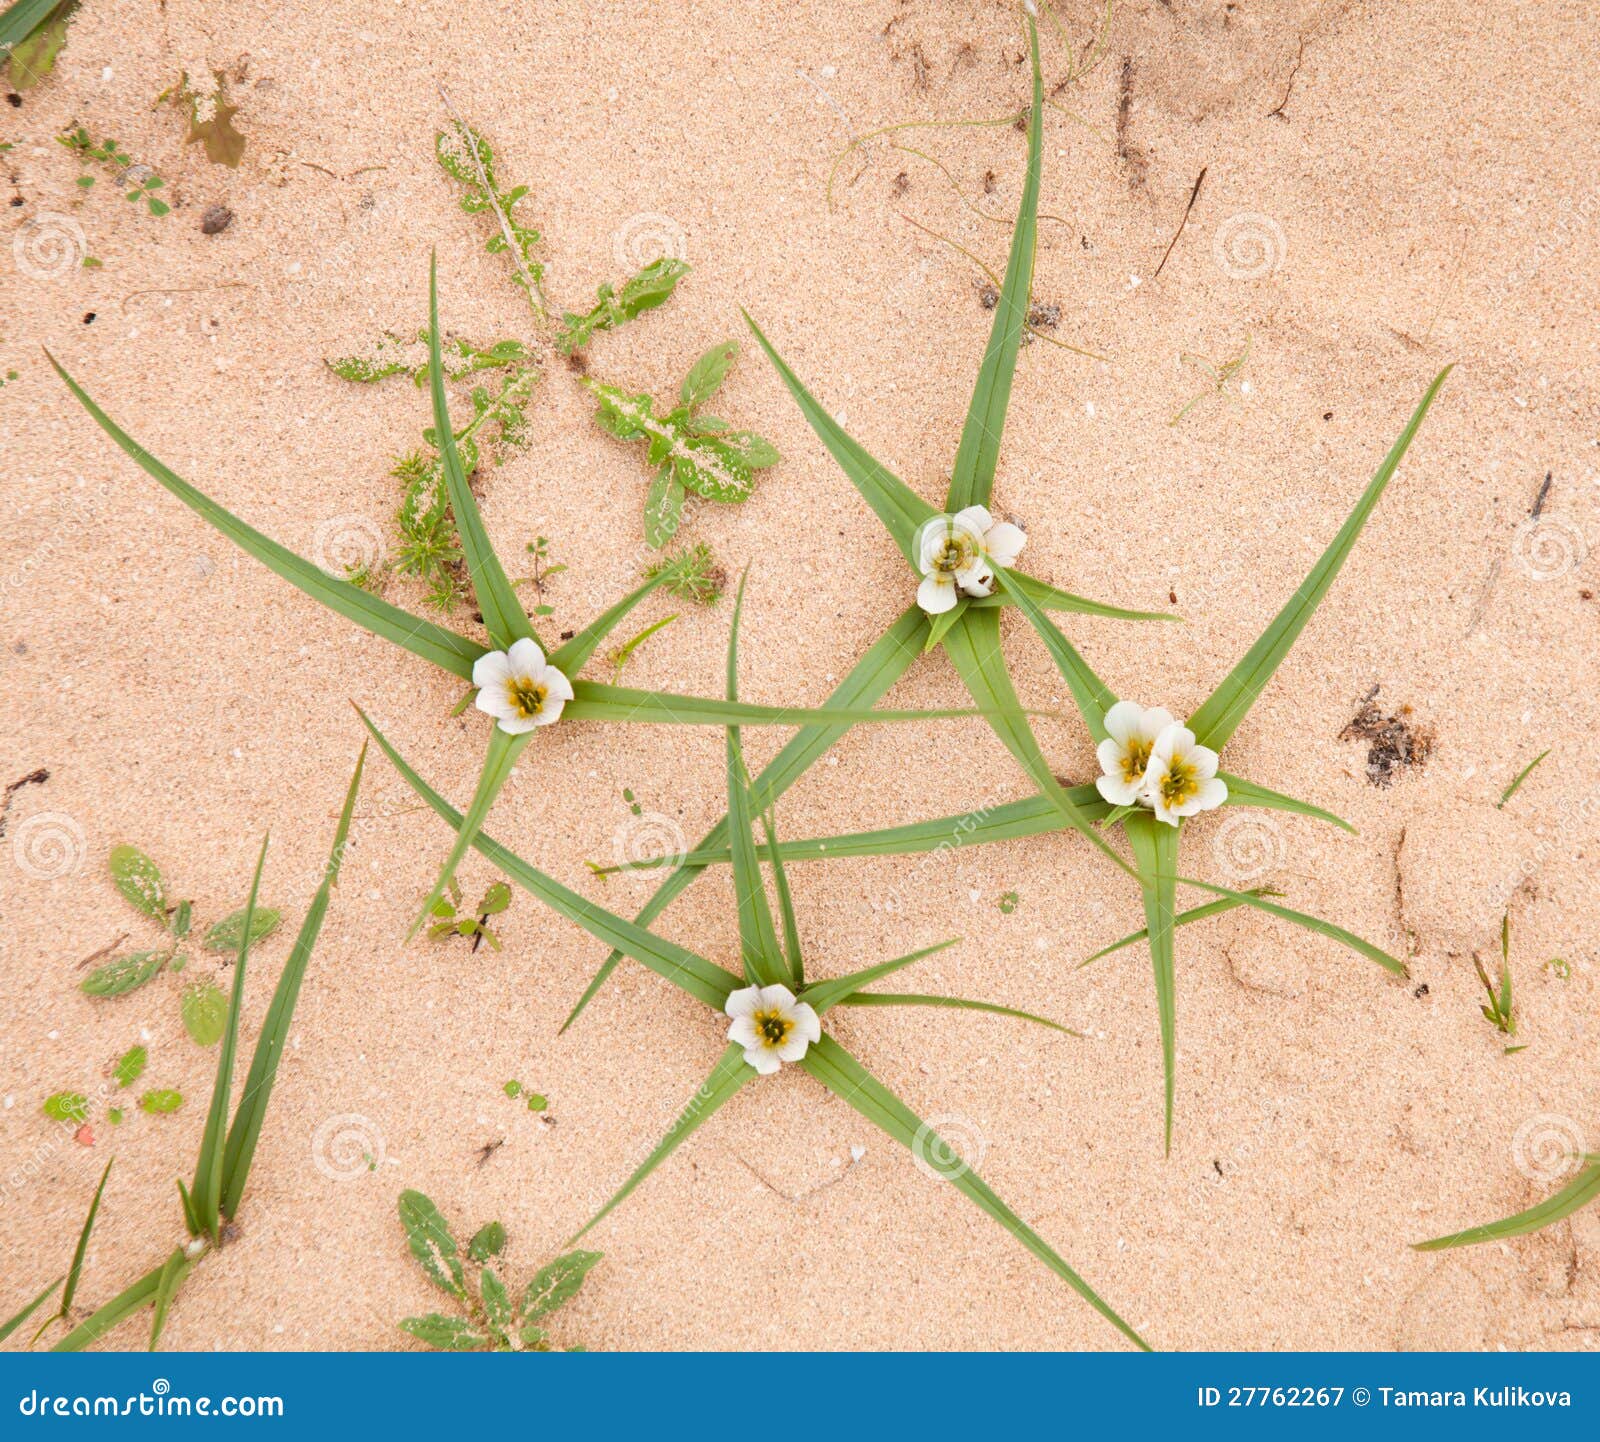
[[494, 1320], [1500, 1011], [690, 572]]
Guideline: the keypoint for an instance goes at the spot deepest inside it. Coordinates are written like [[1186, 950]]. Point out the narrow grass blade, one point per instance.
[[75, 1271], [572, 656], [115, 1312], [901, 509], [1248, 793], [12, 1323], [853, 1084], [1091, 695], [251, 1112], [1579, 1192], [730, 1073], [173, 1272], [758, 938], [1155, 848], [702, 979], [1183, 918], [791, 924], [829, 993], [502, 612], [206, 1192], [974, 647], [972, 480], [885, 661], [1521, 776], [434, 643], [19, 21], [892, 998], [601, 701], [1228, 705], [1051, 599], [1311, 923], [498, 761]]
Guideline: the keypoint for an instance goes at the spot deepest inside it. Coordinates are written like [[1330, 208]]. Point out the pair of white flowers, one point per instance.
[[1151, 760], [957, 556]]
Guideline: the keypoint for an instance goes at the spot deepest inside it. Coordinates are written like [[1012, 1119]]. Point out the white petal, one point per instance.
[[1122, 724], [930, 540], [1211, 795], [520, 725], [977, 580], [936, 594], [1204, 760], [1004, 543], [1117, 791], [742, 1029], [494, 700], [743, 1002], [550, 711], [526, 658], [489, 668], [559, 687], [765, 1062], [806, 1022], [1156, 720], [794, 1048], [777, 998], [977, 517], [1109, 752], [1162, 811]]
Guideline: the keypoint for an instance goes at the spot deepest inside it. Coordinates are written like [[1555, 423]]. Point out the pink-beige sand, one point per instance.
[[1417, 186]]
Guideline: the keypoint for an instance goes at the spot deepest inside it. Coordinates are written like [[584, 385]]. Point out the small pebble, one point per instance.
[[216, 220]]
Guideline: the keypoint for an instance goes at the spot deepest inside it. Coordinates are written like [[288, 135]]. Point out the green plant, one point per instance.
[[1500, 1011], [137, 182], [449, 920], [210, 114], [689, 451], [768, 962], [68, 1281], [1578, 1193], [32, 35], [614, 307], [1518, 779], [691, 573], [507, 623], [211, 1201], [495, 1322]]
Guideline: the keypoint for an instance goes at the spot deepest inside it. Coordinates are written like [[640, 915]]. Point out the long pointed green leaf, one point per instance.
[[885, 661], [1249, 793], [1183, 918], [572, 656], [116, 1311], [19, 21], [12, 1323], [1155, 848], [702, 979], [173, 1271], [972, 480], [601, 701], [1091, 695], [1052, 599], [893, 998], [75, 1271], [791, 924], [434, 643], [853, 1084], [1311, 923], [825, 994], [1579, 1192], [901, 509], [207, 1189], [248, 1116], [1228, 705], [502, 611], [730, 1073]]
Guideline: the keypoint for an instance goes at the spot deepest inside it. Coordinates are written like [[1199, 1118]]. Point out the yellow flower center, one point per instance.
[[1135, 760], [526, 696], [957, 553], [1180, 784], [773, 1027]]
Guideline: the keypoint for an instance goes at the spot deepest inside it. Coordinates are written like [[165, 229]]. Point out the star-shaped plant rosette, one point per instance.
[[517, 679], [776, 1012]]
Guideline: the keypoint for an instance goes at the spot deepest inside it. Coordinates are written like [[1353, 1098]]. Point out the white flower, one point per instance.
[[519, 688], [771, 1025], [1182, 776], [1125, 753], [957, 556]]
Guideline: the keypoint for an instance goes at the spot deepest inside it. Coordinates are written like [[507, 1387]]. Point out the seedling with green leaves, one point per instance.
[[211, 1200], [613, 307], [689, 450], [1583, 1189], [449, 920], [1499, 1011], [771, 996], [526, 680], [495, 1321], [691, 573], [137, 181]]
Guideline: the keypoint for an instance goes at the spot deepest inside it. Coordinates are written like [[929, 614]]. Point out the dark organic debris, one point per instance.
[[216, 220], [1042, 314], [988, 297], [33, 778], [1395, 743]]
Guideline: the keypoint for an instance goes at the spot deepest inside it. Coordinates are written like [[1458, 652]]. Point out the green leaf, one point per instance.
[[600, 701], [211, 124], [34, 58], [707, 374], [245, 1131], [853, 1084], [1521, 776], [1579, 1192], [1053, 599], [116, 1311], [495, 900], [889, 998], [207, 1188], [446, 649], [663, 508], [161, 1101], [497, 597], [1090, 694], [138, 880], [572, 656], [224, 936], [205, 1012], [75, 1271], [1155, 849], [20, 20], [972, 480], [448, 1334], [488, 1241], [730, 1073], [67, 1107], [824, 994], [125, 974], [431, 1244], [791, 924], [1228, 705], [556, 1283], [1248, 793], [12, 1323], [1183, 918], [173, 1271], [496, 1300]]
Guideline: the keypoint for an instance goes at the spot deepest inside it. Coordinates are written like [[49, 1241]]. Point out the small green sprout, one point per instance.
[[451, 921], [1008, 902], [1499, 1010], [691, 573], [615, 306], [1519, 778], [138, 182]]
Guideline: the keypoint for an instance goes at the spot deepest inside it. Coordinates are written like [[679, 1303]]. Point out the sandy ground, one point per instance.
[[1424, 193]]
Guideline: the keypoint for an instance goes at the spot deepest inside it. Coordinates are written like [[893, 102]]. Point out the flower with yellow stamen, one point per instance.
[[519, 688], [771, 1026], [1131, 732], [1181, 778]]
